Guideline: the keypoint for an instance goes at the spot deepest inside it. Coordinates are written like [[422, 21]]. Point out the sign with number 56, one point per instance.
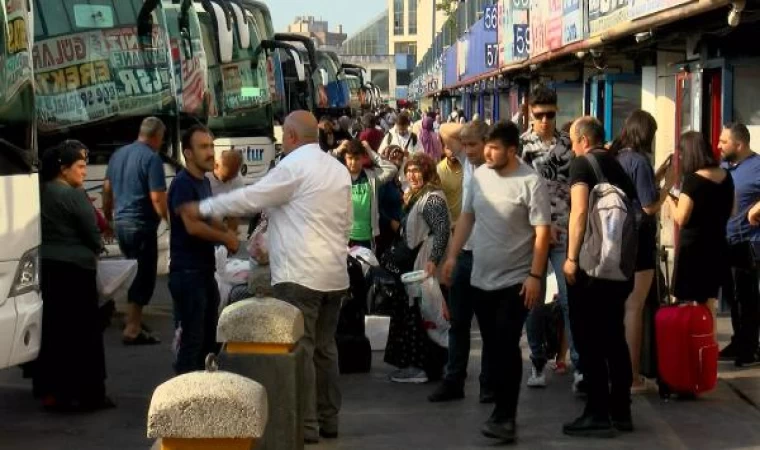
[[491, 18], [522, 41]]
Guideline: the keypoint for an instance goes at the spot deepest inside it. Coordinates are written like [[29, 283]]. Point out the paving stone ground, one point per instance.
[[380, 415]]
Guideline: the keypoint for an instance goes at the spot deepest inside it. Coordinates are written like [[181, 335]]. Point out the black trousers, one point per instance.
[[501, 315], [597, 310], [744, 298]]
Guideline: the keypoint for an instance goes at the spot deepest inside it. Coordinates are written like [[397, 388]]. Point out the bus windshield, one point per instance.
[[16, 91], [241, 96], [96, 66]]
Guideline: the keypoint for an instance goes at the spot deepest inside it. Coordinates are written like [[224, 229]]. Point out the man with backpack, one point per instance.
[[602, 243], [401, 135]]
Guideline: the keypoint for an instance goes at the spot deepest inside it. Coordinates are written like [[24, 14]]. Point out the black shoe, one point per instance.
[[729, 352], [588, 426], [328, 434], [623, 423], [446, 392], [487, 395], [748, 361], [503, 430]]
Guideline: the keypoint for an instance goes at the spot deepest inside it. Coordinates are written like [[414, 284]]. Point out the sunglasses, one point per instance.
[[551, 115]]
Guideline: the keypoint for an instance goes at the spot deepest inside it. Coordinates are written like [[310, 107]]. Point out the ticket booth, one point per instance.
[[611, 98]]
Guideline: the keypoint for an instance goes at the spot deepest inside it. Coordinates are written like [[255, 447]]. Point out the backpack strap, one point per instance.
[[600, 178]]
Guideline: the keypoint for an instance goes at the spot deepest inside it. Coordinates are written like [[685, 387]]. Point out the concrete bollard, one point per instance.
[[208, 410], [262, 341]]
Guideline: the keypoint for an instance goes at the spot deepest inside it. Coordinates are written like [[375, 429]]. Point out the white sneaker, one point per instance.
[[537, 378], [410, 375], [577, 380]]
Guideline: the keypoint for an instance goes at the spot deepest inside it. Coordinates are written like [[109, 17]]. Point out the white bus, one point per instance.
[[20, 300]]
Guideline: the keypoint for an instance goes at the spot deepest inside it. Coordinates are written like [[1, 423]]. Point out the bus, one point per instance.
[[337, 87], [20, 299], [241, 83], [100, 68]]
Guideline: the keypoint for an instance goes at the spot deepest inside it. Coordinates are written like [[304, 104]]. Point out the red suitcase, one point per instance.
[[687, 352]]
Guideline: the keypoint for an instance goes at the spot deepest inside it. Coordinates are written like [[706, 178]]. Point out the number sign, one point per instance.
[[492, 55]]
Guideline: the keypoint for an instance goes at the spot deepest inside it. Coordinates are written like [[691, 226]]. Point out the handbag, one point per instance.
[[399, 258]]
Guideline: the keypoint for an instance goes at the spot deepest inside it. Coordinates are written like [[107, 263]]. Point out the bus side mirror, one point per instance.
[[300, 68], [145, 23], [323, 76], [242, 25], [184, 27], [224, 33]]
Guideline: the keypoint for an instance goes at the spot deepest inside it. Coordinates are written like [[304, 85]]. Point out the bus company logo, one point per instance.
[[252, 154]]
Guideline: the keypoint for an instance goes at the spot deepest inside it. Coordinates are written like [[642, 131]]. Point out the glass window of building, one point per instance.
[[412, 13], [398, 17], [405, 48], [371, 40]]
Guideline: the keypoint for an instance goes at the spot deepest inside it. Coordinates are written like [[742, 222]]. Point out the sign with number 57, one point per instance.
[[492, 55], [522, 40], [491, 18]]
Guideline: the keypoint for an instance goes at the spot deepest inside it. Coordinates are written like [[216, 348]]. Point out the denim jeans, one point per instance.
[[534, 326], [597, 308], [460, 302], [501, 315], [195, 295], [139, 241], [744, 299]]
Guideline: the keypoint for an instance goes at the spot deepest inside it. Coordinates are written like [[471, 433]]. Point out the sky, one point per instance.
[[352, 14]]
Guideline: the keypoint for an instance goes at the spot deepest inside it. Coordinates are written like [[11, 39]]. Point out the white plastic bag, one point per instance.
[[114, 276], [258, 244], [365, 257], [431, 309]]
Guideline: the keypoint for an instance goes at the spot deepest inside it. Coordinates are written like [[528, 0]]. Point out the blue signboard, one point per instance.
[[491, 18], [521, 41]]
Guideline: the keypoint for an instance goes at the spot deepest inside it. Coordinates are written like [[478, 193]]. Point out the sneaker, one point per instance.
[[446, 392], [623, 423], [537, 378], [504, 431], [410, 375], [579, 387], [588, 426]]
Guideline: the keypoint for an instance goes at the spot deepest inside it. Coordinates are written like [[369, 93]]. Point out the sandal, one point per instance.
[[142, 338]]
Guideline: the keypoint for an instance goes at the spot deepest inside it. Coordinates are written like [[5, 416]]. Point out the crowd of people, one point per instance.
[[488, 210]]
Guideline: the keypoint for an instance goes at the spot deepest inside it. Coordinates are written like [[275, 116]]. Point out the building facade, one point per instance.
[[319, 31], [693, 64]]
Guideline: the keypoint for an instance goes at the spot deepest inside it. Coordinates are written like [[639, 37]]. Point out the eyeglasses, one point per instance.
[[550, 115]]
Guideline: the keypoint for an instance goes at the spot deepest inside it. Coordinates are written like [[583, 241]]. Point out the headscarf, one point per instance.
[[431, 145], [431, 180]]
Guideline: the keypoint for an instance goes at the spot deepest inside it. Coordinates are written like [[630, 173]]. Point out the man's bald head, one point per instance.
[[300, 128]]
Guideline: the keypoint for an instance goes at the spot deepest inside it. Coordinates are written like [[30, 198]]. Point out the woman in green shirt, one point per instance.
[[70, 373]]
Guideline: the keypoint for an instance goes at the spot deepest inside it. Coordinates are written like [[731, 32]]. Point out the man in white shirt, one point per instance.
[[226, 178], [401, 135], [307, 198]]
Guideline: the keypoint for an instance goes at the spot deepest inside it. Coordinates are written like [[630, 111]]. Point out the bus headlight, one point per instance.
[[27, 277]]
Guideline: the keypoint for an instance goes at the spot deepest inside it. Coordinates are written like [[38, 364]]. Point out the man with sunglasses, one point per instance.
[[549, 151]]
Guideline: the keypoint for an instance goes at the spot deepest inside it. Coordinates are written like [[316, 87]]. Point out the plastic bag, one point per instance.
[[258, 244], [431, 309], [114, 276], [365, 256]]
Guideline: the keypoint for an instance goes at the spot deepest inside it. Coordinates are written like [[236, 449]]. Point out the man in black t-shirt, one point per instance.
[[597, 307], [191, 269]]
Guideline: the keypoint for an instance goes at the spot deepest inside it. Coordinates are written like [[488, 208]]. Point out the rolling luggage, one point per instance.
[[687, 352], [354, 350]]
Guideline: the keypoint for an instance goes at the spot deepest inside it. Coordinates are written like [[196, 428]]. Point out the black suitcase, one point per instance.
[[354, 350]]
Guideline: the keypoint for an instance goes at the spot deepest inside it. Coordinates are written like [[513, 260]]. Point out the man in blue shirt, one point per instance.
[[743, 239], [134, 196], [191, 271]]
